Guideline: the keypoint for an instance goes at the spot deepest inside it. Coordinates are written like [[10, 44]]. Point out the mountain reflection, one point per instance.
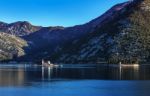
[[12, 77], [23, 76]]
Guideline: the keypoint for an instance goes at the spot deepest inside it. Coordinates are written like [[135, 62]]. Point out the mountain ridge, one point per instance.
[[124, 39], [43, 40], [108, 37], [60, 37]]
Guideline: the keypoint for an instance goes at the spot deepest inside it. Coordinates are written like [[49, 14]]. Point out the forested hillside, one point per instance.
[[124, 38]]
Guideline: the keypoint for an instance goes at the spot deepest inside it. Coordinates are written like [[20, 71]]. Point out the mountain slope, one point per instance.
[[19, 28], [124, 38], [49, 40], [11, 46], [120, 34]]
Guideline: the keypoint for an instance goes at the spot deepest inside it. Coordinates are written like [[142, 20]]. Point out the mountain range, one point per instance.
[[120, 34]]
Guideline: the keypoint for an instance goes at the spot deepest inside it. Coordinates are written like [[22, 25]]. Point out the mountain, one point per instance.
[[48, 40], [11, 46], [120, 34], [19, 28], [125, 37]]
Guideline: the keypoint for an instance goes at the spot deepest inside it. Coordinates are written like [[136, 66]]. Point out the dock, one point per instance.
[[128, 65]]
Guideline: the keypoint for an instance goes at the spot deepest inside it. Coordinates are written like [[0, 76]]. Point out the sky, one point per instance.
[[54, 12]]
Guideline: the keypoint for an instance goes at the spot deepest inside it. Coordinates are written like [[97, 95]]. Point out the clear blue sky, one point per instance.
[[54, 12]]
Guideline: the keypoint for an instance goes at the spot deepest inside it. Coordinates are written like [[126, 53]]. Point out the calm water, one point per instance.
[[74, 81]]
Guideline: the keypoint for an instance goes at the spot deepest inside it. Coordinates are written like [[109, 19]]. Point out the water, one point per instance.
[[74, 81]]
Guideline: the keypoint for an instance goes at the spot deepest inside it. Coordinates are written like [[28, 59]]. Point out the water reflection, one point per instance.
[[24, 76], [47, 71], [12, 77], [124, 73], [100, 73], [129, 73], [43, 73]]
